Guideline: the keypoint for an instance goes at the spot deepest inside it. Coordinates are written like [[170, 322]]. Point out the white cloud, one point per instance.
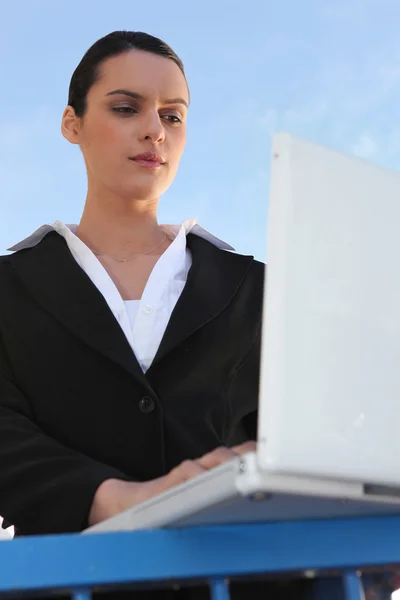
[[307, 114], [365, 146], [393, 143], [269, 121], [294, 117], [355, 11]]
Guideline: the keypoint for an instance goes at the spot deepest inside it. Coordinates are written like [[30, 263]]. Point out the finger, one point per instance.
[[245, 447], [216, 457], [185, 471]]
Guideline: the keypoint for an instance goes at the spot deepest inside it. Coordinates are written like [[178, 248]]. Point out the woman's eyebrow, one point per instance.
[[176, 101], [138, 96], [122, 92]]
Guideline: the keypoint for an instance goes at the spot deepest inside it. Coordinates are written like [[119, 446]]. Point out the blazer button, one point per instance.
[[147, 404]]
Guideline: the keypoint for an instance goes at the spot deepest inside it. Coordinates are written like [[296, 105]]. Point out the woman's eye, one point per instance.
[[124, 109], [173, 119]]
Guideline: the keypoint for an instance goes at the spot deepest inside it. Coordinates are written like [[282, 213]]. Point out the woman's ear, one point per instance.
[[70, 125]]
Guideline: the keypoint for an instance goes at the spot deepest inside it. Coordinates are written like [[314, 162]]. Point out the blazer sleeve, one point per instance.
[[44, 486]]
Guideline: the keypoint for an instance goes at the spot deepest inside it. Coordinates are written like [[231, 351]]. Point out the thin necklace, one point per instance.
[[122, 260]]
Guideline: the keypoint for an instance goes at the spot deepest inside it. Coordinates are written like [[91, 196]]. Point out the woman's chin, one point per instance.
[[142, 193]]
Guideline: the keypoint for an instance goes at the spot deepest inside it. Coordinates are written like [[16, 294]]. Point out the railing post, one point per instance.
[[353, 587], [219, 589], [82, 594]]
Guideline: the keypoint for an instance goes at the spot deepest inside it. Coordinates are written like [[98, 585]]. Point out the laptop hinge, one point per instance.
[[371, 489]]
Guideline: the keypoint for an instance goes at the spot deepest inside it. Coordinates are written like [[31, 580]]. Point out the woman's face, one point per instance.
[[138, 105]]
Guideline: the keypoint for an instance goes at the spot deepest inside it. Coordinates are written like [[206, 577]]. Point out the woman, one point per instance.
[[129, 350]]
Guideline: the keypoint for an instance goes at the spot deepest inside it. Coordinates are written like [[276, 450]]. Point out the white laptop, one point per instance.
[[329, 407]]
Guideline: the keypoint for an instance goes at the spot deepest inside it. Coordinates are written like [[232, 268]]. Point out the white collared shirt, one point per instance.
[[143, 321]]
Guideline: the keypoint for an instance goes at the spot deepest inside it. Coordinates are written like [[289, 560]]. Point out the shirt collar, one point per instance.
[[189, 225]]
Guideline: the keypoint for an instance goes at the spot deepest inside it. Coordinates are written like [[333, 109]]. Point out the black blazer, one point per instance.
[[75, 406]]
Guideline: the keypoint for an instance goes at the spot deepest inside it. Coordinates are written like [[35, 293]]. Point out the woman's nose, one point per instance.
[[153, 129]]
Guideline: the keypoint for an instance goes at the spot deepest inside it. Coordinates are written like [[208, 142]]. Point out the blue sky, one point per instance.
[[328, 70]]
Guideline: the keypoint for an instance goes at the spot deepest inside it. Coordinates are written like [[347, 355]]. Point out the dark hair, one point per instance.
[[117, 42]]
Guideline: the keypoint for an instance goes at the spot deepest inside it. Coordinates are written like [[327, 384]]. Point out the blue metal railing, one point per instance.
[[80, 562]]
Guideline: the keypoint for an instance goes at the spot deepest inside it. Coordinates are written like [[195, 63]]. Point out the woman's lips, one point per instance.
[[149, 164], [150, 160]]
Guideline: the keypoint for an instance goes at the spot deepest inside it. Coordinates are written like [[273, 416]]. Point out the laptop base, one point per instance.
[[238, 492]]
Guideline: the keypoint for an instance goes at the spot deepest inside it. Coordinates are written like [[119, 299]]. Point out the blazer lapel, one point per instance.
[[213, 280], [53, 277]]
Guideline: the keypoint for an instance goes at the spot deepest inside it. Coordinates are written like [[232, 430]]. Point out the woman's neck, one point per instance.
[[120, 228]]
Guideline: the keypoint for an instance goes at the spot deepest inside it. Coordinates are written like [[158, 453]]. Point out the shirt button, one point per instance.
[[147, 404], [148, 309]]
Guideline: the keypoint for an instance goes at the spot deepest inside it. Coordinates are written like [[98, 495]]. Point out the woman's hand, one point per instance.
[[114, 496]]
